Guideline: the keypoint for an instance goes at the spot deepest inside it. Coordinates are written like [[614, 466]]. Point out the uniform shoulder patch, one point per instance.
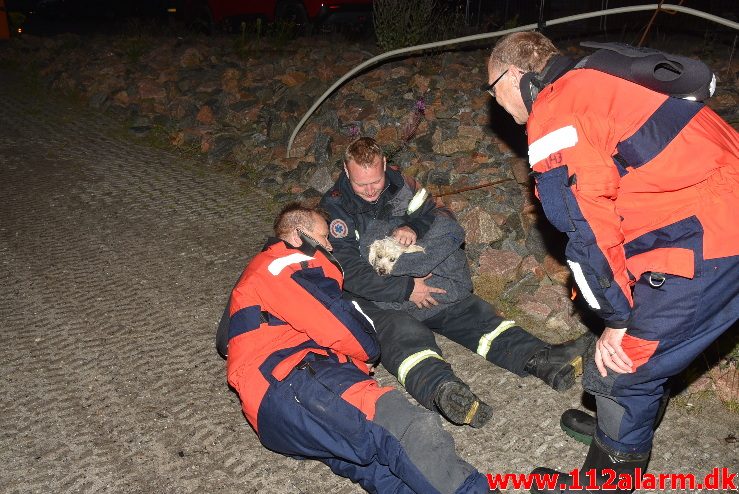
[[338, 228]]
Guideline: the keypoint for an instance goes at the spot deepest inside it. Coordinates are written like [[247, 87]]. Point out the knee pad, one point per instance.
[[609, 414], [426, 444]]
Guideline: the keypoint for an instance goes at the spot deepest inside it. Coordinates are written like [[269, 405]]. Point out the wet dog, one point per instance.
[[384, 253]]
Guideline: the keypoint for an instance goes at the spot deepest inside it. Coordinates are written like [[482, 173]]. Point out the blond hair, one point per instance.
[[527, 50]]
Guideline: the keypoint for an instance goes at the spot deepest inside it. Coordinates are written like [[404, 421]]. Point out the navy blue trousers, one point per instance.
[[671, 325], [402, 450]]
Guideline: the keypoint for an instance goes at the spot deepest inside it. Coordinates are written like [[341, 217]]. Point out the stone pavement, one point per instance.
[[116, 259]]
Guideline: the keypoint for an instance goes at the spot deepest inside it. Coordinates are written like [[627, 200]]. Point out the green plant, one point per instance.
[[135, 47], [258, 30], [241, 44], [137, 39], [254, 35], [282, 31], [451, 24], [249, 38], [511, 23], [401, 23]]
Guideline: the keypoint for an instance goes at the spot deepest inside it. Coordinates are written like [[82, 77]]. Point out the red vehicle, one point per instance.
[[306, 13]]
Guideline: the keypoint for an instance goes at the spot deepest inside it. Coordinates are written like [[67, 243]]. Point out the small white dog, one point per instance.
[[383, 254]]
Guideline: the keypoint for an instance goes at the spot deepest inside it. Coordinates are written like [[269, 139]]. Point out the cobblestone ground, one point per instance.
[[116, 260]]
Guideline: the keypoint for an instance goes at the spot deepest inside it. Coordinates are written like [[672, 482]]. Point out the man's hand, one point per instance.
[[421, 295], [608, 353], [404, 235]]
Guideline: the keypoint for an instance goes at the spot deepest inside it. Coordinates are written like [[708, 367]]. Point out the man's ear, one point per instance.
[[516, 74], [294, 239]]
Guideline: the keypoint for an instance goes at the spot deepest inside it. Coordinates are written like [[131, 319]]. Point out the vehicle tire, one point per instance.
[[293, 11]]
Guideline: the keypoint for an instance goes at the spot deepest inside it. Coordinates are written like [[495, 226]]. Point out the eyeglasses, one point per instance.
[[490, 88]]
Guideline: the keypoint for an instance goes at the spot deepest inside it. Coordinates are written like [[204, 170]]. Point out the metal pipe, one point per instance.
[[477, 37]]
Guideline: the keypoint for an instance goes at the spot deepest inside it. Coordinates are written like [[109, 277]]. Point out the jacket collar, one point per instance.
[[310, 247], [556, 67]]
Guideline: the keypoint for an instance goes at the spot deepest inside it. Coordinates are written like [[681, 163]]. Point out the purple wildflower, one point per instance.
[[421, 105]]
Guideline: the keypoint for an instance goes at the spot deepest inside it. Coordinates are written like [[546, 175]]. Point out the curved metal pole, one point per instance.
[[476, 37]]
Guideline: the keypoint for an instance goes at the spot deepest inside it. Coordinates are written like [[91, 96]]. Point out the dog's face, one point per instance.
[[384, 253]]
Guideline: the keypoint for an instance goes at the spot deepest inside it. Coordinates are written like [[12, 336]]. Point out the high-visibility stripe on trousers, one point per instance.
[[412, 361], [486, 340]]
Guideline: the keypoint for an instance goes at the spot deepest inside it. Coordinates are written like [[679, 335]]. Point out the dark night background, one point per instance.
[[48, 17], [141, 164]]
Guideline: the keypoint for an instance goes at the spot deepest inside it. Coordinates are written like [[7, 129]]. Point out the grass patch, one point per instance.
[[490, 288]]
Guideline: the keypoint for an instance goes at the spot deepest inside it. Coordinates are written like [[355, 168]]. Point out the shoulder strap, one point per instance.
[[673, 75]]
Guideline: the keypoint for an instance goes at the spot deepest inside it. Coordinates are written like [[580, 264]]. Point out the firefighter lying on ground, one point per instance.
[[297, 357]]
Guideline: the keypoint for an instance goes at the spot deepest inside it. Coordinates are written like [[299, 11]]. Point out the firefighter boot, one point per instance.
[[602, 471], [581, 426], [558, 365], [459, 405]]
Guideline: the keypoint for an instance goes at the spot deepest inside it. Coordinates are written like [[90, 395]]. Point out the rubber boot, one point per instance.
[[578, 425], [602, 471], [559, 365], [459, 405], [581, 426]]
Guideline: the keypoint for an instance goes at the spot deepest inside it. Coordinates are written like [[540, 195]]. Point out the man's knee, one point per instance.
[[626, 408], [428, 446], [401, 335], [626, 425]]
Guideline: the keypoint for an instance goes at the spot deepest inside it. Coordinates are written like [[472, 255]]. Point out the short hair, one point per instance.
[[527, 50], [363, 152], [293, 215]]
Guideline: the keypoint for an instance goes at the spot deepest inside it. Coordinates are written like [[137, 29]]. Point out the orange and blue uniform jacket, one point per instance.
[[646, 187], [639, 181], [286, 304]]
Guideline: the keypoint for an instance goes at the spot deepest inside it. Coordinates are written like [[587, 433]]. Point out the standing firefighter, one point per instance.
[[646, 186], [297, 354]]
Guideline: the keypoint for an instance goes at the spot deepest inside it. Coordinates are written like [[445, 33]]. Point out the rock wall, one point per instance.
[[237, 102]]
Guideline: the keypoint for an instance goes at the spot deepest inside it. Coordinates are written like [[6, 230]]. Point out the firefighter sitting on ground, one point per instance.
[[370, 191]]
